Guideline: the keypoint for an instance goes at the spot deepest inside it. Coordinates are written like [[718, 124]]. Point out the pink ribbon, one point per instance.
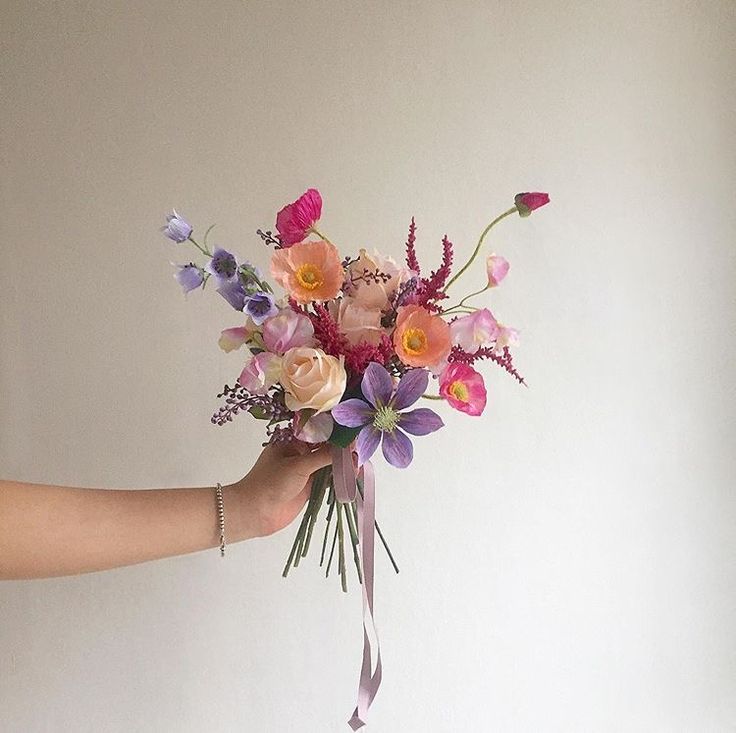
[[346, 490]]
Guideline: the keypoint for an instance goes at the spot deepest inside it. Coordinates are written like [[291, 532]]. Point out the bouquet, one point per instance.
[[346, 356]]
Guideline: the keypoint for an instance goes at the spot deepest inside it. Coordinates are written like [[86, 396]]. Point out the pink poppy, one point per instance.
[[463, 388], [295, 221]]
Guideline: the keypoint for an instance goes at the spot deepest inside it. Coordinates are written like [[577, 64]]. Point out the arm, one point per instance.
[[49, 531]]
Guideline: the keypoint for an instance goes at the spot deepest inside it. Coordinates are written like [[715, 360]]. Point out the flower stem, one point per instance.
[[512, 210], [461, 304], [204, 251], [431, 397], [341, 549], [314, 230], [331, 502]]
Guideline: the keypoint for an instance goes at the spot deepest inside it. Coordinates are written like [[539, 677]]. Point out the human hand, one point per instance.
[[274, 491]]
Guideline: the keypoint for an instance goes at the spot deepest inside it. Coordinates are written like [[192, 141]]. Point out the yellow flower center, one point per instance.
[[414, 341], [459, 390], [310, 276]]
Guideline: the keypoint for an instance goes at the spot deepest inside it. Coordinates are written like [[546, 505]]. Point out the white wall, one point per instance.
[[568, 560]]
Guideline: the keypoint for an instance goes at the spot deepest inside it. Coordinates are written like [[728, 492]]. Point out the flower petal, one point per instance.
[[367, 442], [377, 385], [421, 421], [411, 388], [397, 448], [353, 413]]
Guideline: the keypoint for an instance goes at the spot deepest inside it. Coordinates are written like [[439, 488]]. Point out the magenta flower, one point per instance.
[[463, 388], [380, 416], [295, 221], [527, 202]]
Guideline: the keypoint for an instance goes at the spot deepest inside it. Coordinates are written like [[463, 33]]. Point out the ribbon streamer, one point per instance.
[[369, 681]]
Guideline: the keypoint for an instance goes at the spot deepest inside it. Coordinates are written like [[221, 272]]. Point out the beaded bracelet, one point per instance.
[[221, 518]]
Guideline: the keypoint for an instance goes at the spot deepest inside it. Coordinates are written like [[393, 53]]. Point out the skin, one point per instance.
[[48, 531]]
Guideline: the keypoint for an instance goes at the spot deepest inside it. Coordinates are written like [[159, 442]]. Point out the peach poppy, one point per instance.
[[309, 271], [420, 339]]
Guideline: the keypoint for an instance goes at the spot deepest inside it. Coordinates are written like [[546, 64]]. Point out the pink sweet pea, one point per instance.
[[261, 372], [474, 330], [295, 221], [463, 388], [234, 338], [527, 202], [286, 331], [506, 337], [497, 268]]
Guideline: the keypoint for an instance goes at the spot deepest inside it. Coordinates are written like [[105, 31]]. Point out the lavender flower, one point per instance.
[[222, 265], [189, 276], [177, 228], [380, 418], [233, 292], [260, 306]]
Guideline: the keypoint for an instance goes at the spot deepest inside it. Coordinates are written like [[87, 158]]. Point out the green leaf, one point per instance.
[[342, 436], [259, 413]]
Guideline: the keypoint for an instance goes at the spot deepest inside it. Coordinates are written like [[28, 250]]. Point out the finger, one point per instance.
[[311, 462]]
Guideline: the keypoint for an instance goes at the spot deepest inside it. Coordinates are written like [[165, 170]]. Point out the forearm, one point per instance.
[[53, 530]]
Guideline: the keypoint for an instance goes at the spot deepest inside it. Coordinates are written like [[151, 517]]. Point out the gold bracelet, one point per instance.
[[221, 518]]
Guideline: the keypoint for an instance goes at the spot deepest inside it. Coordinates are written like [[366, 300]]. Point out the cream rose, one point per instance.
[[356, 322], [374, 279], [312, 379]]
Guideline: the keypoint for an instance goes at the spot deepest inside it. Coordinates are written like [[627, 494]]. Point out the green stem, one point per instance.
[[204, 251], [314, 230], [513, 210], [331, 502], [432, 397], [319, 484], [461, 304], [341, 549], [332, 551]]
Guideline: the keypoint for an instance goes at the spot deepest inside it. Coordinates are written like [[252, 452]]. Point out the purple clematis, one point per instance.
[[380, 416], [177, 228]]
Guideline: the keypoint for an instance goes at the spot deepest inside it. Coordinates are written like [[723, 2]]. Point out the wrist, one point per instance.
[[240, 516]]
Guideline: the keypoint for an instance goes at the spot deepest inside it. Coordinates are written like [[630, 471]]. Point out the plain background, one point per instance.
[[568, 560]]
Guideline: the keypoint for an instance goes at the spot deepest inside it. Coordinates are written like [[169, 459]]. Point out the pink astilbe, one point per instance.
[[504, 360], [430, 288], [411, 254], [359, 356]]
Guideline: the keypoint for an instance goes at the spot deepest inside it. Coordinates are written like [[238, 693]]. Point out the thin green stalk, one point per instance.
[[316, 231], [330, 512], [332, 551], [382, 538], [294, 548], [341, 548], [321, 479], [461, 304], [513, 210], [204, 251]]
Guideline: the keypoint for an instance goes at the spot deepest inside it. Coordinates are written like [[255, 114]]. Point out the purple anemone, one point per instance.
[[380, 417]]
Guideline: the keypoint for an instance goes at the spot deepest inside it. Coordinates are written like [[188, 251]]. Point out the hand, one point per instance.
[[273, 493]]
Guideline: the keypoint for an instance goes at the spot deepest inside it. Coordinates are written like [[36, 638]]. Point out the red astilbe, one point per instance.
[[503, 359], [334, 342], [428, 290], [411, 254]]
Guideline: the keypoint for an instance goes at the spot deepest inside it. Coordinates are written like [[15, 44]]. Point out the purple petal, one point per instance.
[[397, 448], [367, 442], [234, 293], [411, 387], [189, 277], [377, 385], [353, 413], [421, 421], [223, 264]]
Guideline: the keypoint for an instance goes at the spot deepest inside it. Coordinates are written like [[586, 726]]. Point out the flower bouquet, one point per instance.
[[344, 357]]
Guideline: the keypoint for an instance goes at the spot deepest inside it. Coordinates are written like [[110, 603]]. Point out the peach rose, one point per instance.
[[374, 279], [356, 322], [312, 379]]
